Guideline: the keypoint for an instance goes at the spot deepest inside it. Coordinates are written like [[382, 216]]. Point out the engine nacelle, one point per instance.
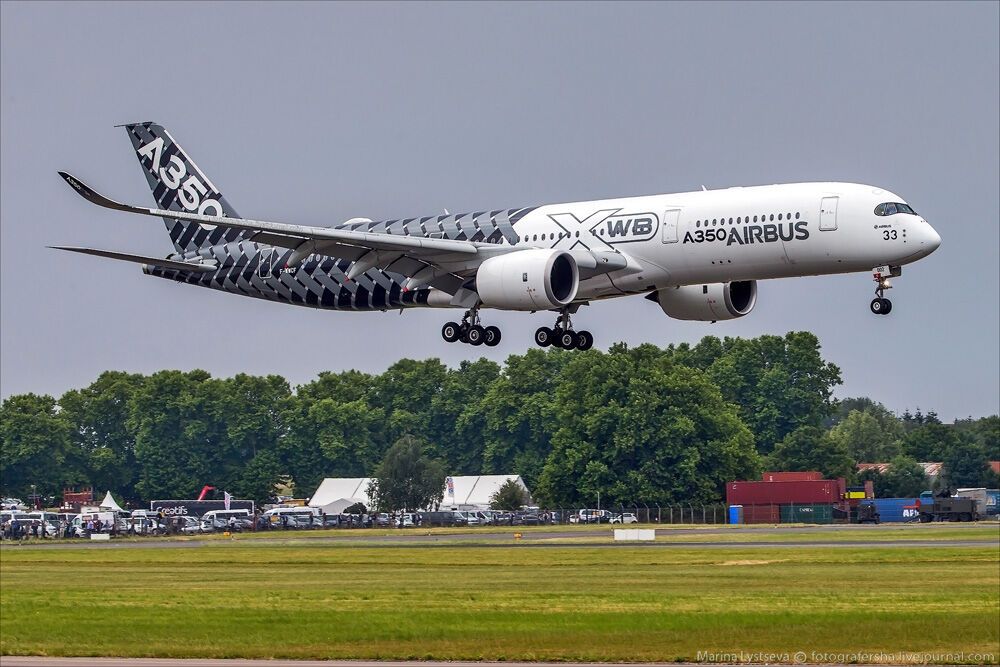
[[536, 279], [708, 303]]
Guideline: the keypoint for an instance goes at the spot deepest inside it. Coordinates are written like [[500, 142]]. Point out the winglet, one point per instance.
[[92, 195]]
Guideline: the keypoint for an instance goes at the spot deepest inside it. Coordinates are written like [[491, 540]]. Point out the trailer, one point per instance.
[[949, 509]]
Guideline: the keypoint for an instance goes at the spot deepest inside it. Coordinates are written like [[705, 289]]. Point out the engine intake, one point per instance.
[[708, 303], [535, 279]]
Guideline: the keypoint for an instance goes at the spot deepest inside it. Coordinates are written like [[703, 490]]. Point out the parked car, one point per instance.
[[220, 520], [625, 518], [472, 518], [142, 525], [591, 516], [405, 521], [382, 520], [186, 525], [27, 526], [527, 519]]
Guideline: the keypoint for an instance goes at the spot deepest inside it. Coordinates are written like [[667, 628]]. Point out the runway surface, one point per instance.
[[825, 536], [16, 661]]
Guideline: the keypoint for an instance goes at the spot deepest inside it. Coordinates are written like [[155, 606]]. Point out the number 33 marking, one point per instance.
[[889, 234]]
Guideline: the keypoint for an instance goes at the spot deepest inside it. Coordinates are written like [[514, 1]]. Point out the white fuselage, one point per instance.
[[742, 233]]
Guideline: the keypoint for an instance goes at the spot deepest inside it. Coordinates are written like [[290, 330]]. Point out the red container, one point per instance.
[[761, 514], [785, 493], [810, 476]]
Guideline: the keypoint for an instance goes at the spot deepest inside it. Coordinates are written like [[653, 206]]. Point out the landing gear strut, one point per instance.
[[881, 305], [562, 335], [471, 331]]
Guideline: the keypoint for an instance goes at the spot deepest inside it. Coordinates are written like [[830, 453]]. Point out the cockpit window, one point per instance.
[[891, 208]]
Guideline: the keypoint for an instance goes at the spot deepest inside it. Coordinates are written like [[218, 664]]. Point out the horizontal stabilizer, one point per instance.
[[178, 265]]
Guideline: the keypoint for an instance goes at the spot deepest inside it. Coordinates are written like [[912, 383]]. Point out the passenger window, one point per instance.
[[796, 215], [779, 217]]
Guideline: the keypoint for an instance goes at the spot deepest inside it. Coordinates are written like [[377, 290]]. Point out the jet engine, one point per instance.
[[536, 279], [708, 303]]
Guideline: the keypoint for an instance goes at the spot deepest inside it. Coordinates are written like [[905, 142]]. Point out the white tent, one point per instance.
[[109, 503], [470, 492], [335, 494]]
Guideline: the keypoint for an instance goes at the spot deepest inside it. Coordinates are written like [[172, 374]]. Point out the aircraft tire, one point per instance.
[[476, 335], [566, 340], [584, 340], [451, 332], [544, 336], [877, 306], [492, 336], [886, 306]]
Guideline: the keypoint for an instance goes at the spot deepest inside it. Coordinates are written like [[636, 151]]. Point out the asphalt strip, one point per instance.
[[38, 661]]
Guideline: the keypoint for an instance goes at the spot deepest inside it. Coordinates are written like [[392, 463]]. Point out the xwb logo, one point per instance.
[[627, 227]]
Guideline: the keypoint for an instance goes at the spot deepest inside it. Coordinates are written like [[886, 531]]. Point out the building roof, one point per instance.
[[476, 490], [338, 493], [930, 469], [109, 503], [334, 494]]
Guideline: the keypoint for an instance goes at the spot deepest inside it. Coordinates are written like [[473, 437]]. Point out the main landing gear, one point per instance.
[[881, 305], [471, 331], [562, 335]]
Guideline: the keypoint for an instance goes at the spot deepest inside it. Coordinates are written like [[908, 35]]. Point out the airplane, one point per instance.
[[698, 255]]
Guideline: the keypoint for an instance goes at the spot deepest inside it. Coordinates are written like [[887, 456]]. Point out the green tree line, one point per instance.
[[647, 424]]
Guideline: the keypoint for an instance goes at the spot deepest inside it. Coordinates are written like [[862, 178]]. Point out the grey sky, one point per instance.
[[322, 112]]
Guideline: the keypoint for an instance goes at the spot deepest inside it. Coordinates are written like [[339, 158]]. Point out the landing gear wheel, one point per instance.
[[584, 340], [544, 336], [878, 306], [476, 335], [567, 340], [451, 332], [492, 336], [886, 306]]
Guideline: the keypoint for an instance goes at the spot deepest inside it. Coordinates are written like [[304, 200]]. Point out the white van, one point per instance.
[[7, 515], [107, 519], [294, 517], [52, 521], [219, 520]]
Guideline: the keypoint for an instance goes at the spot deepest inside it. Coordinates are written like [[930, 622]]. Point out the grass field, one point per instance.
[[260, 598]]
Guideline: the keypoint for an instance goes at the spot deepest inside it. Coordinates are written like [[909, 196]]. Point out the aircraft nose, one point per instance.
[[931, 239]]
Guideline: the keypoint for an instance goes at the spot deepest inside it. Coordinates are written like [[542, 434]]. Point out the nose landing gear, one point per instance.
[[471, 331], [881, 305], [562, 335]]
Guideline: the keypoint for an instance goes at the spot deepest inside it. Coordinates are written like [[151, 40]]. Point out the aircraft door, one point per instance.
[[670, 220], [266, 267], [828, 214]]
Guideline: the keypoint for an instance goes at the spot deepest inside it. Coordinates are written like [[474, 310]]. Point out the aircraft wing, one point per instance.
[[443, 263], [196, 267]]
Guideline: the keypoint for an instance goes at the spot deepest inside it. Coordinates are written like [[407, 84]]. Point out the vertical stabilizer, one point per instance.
[[179, 185]]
